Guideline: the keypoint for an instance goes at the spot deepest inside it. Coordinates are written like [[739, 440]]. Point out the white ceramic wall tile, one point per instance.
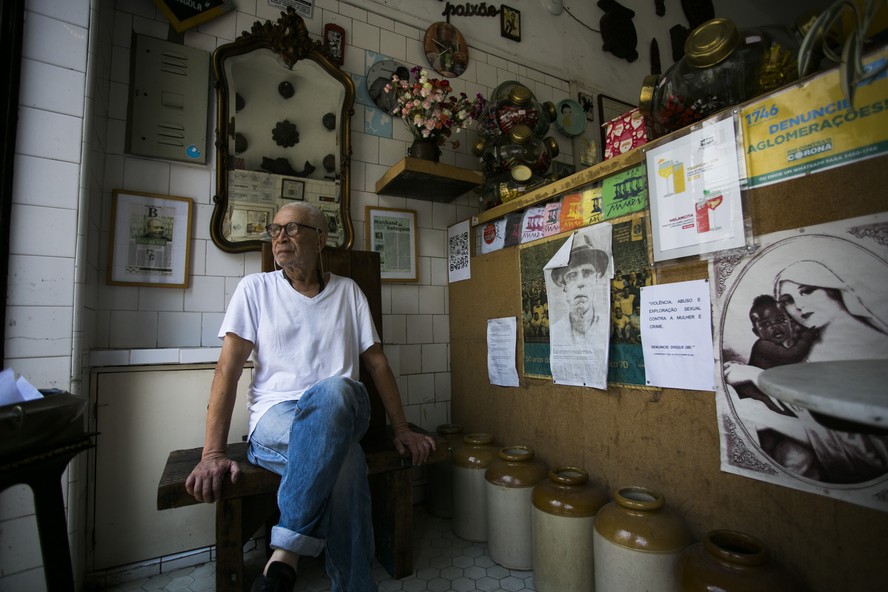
[[383, 23], [75, 12], [431, 242], [154, 356], [438, 267], [200, 214], [45, 182], [32, 579], [220, 263], [109, 357], [433, 415], [393, 354], [198, 257], [42, 231], [424, 271], [367, 146], [133, 330], [209, 329], [419, 328], [45, 373], [205, 294], [48, 135], [365, 36], [190, 181], [394, 328], [431, 300], [54, 42], [15, 502], [405, 299], [52, 88], [421, 388], [411, 359], [140, 174], [200, 355], [154, 299], [393, 44], [117, 297], [391, 151], [442, 386], [38, 331], [40, 281], [434, 358], [353, 12], [441, 328], [178, 329]]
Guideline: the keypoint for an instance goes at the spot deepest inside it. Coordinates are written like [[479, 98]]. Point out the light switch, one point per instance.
[[168, 101]]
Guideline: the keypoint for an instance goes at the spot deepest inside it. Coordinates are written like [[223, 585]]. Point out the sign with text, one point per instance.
[[677, 325], [185, 14]]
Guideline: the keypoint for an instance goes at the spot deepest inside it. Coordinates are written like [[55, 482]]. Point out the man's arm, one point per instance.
[[405, 439], [205, 481]]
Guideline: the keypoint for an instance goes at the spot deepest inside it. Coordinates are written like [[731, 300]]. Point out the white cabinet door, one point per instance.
[[142, 416]]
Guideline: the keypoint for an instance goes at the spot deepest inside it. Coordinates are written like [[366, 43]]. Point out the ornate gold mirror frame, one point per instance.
[[283, 133]]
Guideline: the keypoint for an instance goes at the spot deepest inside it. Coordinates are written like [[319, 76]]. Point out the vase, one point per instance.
[[564, 508], [470, 461], [731, 561], [510, 482], [425, 149], [637, 542]]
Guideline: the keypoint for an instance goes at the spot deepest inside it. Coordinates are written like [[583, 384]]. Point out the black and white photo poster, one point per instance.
[[807, 295]]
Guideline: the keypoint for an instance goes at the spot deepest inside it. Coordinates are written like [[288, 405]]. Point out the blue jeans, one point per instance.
[[324, 497]]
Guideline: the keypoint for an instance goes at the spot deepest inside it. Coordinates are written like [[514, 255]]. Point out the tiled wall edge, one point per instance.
[[135, 357]]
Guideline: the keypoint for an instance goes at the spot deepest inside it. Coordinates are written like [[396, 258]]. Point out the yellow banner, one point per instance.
[[812, 127]]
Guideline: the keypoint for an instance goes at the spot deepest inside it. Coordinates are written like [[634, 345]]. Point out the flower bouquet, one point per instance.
[[428, 108]]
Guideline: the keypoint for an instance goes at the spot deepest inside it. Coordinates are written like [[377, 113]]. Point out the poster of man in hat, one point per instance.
[[578, 289]]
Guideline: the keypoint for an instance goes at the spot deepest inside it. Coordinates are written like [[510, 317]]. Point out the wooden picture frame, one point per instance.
[[247, 219], [392, 233], [150, 242], [292, 189], [510, 23], [184, 16]]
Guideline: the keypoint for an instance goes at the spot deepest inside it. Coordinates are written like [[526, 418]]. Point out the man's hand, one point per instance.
[[419, 445], [205, 481]]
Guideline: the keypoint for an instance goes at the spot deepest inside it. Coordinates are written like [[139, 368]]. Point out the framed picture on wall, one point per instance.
[[510, 23], [150, 243], [292, 189], [248, 219], [392, 233]]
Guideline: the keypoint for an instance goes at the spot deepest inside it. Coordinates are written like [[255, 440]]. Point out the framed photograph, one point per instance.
[[247, 219], [392, 233], [185, 15], [150, 242], [292, 189], [510, 23], [588, 104]]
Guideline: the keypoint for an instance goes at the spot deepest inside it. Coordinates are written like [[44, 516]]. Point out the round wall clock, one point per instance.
[[571, 119], [446, 49]]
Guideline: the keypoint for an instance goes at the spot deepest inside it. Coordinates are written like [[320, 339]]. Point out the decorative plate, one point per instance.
[[571, 119]]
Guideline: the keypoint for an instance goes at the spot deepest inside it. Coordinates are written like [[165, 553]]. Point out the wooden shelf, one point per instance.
[[424, 179]]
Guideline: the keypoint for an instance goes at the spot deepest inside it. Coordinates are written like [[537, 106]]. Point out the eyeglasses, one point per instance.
[[291, 228]]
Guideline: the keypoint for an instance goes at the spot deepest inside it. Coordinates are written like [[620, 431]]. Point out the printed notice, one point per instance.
[[502, 338], [458, 260], [677, 324]]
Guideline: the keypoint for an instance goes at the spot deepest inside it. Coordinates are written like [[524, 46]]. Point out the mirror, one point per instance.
[[283, 112]]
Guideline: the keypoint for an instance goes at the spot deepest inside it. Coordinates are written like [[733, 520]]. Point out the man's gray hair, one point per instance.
[[316, 216]]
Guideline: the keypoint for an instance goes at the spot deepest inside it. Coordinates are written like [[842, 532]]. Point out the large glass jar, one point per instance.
[[513, 104], [518, 148], [722, 67]]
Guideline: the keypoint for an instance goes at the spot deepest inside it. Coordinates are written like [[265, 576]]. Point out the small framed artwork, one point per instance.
[[510, 23], [185, 15], [292, 189], [247, 220], [392, 233], [588, 104], [150, 243], [334, 40]]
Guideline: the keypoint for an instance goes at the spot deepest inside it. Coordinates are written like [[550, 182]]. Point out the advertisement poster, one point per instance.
[[677, 325], [631, 272], [806, 295], [624, 193], [578, 287], [813, 127], [695, 193], [535, 305]]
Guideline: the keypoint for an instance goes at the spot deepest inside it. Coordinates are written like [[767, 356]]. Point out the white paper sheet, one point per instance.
[[677, 329], [458, 252], [502, 337]]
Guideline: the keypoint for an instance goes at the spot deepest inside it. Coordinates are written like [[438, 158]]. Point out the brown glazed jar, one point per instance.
[[638, 541], [731, 561], [563, 517], [510, 481], [439, 487], [470, 461]]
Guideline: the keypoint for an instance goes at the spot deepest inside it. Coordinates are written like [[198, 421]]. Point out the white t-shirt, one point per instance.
[[298, 341]]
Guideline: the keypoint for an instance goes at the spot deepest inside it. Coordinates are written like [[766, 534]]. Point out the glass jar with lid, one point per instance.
[[722, 66], [513, 104]]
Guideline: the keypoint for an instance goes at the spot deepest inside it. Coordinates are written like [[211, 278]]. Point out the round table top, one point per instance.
[[853, 390]]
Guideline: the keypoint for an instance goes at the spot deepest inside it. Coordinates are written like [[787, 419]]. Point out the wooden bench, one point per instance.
[[251, 503]]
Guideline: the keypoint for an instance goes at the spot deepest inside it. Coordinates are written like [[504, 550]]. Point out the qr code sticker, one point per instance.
[[459, 251]]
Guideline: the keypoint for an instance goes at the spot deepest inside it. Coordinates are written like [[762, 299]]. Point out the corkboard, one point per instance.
[[668, 439]]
